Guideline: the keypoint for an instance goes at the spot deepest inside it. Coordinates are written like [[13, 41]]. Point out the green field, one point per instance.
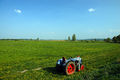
[[36, 60]]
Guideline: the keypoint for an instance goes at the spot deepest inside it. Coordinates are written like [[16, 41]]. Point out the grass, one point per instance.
[[36, 60]]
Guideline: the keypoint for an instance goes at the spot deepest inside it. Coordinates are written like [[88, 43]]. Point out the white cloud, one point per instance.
[[17, 10], [91, 10]]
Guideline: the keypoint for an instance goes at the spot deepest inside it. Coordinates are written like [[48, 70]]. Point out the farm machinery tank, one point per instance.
[[69, 66]]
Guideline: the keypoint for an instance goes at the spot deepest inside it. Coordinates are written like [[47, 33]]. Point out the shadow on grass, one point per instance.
[[1, 78], [53, 70]]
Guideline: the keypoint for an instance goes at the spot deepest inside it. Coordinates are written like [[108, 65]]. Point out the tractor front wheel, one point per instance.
[[70, 68]]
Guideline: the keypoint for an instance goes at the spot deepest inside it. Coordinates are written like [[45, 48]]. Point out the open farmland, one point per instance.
[[36, 60]]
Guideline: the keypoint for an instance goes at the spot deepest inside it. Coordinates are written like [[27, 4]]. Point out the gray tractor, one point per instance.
[[69, 66]]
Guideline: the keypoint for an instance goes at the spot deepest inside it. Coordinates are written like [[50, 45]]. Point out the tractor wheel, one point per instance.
[[82, 67], [70, 68], [58, 68]]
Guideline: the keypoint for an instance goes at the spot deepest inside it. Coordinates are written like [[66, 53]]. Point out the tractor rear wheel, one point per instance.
[[70, 68]]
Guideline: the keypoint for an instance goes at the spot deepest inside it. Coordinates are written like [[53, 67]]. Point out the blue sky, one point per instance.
[[58, 19]]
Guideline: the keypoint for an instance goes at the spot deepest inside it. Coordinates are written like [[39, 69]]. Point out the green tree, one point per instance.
[[114, 39], [68, 38], [37, 39], [74, 37], [107, 40], [95, 39], [118, 39]]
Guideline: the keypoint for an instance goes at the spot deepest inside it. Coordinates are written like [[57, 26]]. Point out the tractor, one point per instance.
[[69, 66]]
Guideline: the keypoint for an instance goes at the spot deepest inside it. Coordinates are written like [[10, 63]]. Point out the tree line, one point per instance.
[[115, 39]]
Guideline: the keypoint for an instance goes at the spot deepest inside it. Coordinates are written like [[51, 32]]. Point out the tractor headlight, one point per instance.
[[58, 62]]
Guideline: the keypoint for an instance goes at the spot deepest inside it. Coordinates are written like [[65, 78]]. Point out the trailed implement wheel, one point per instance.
[[70, 68]]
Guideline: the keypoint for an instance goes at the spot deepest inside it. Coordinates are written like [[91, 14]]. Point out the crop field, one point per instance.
[[36, 60]]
